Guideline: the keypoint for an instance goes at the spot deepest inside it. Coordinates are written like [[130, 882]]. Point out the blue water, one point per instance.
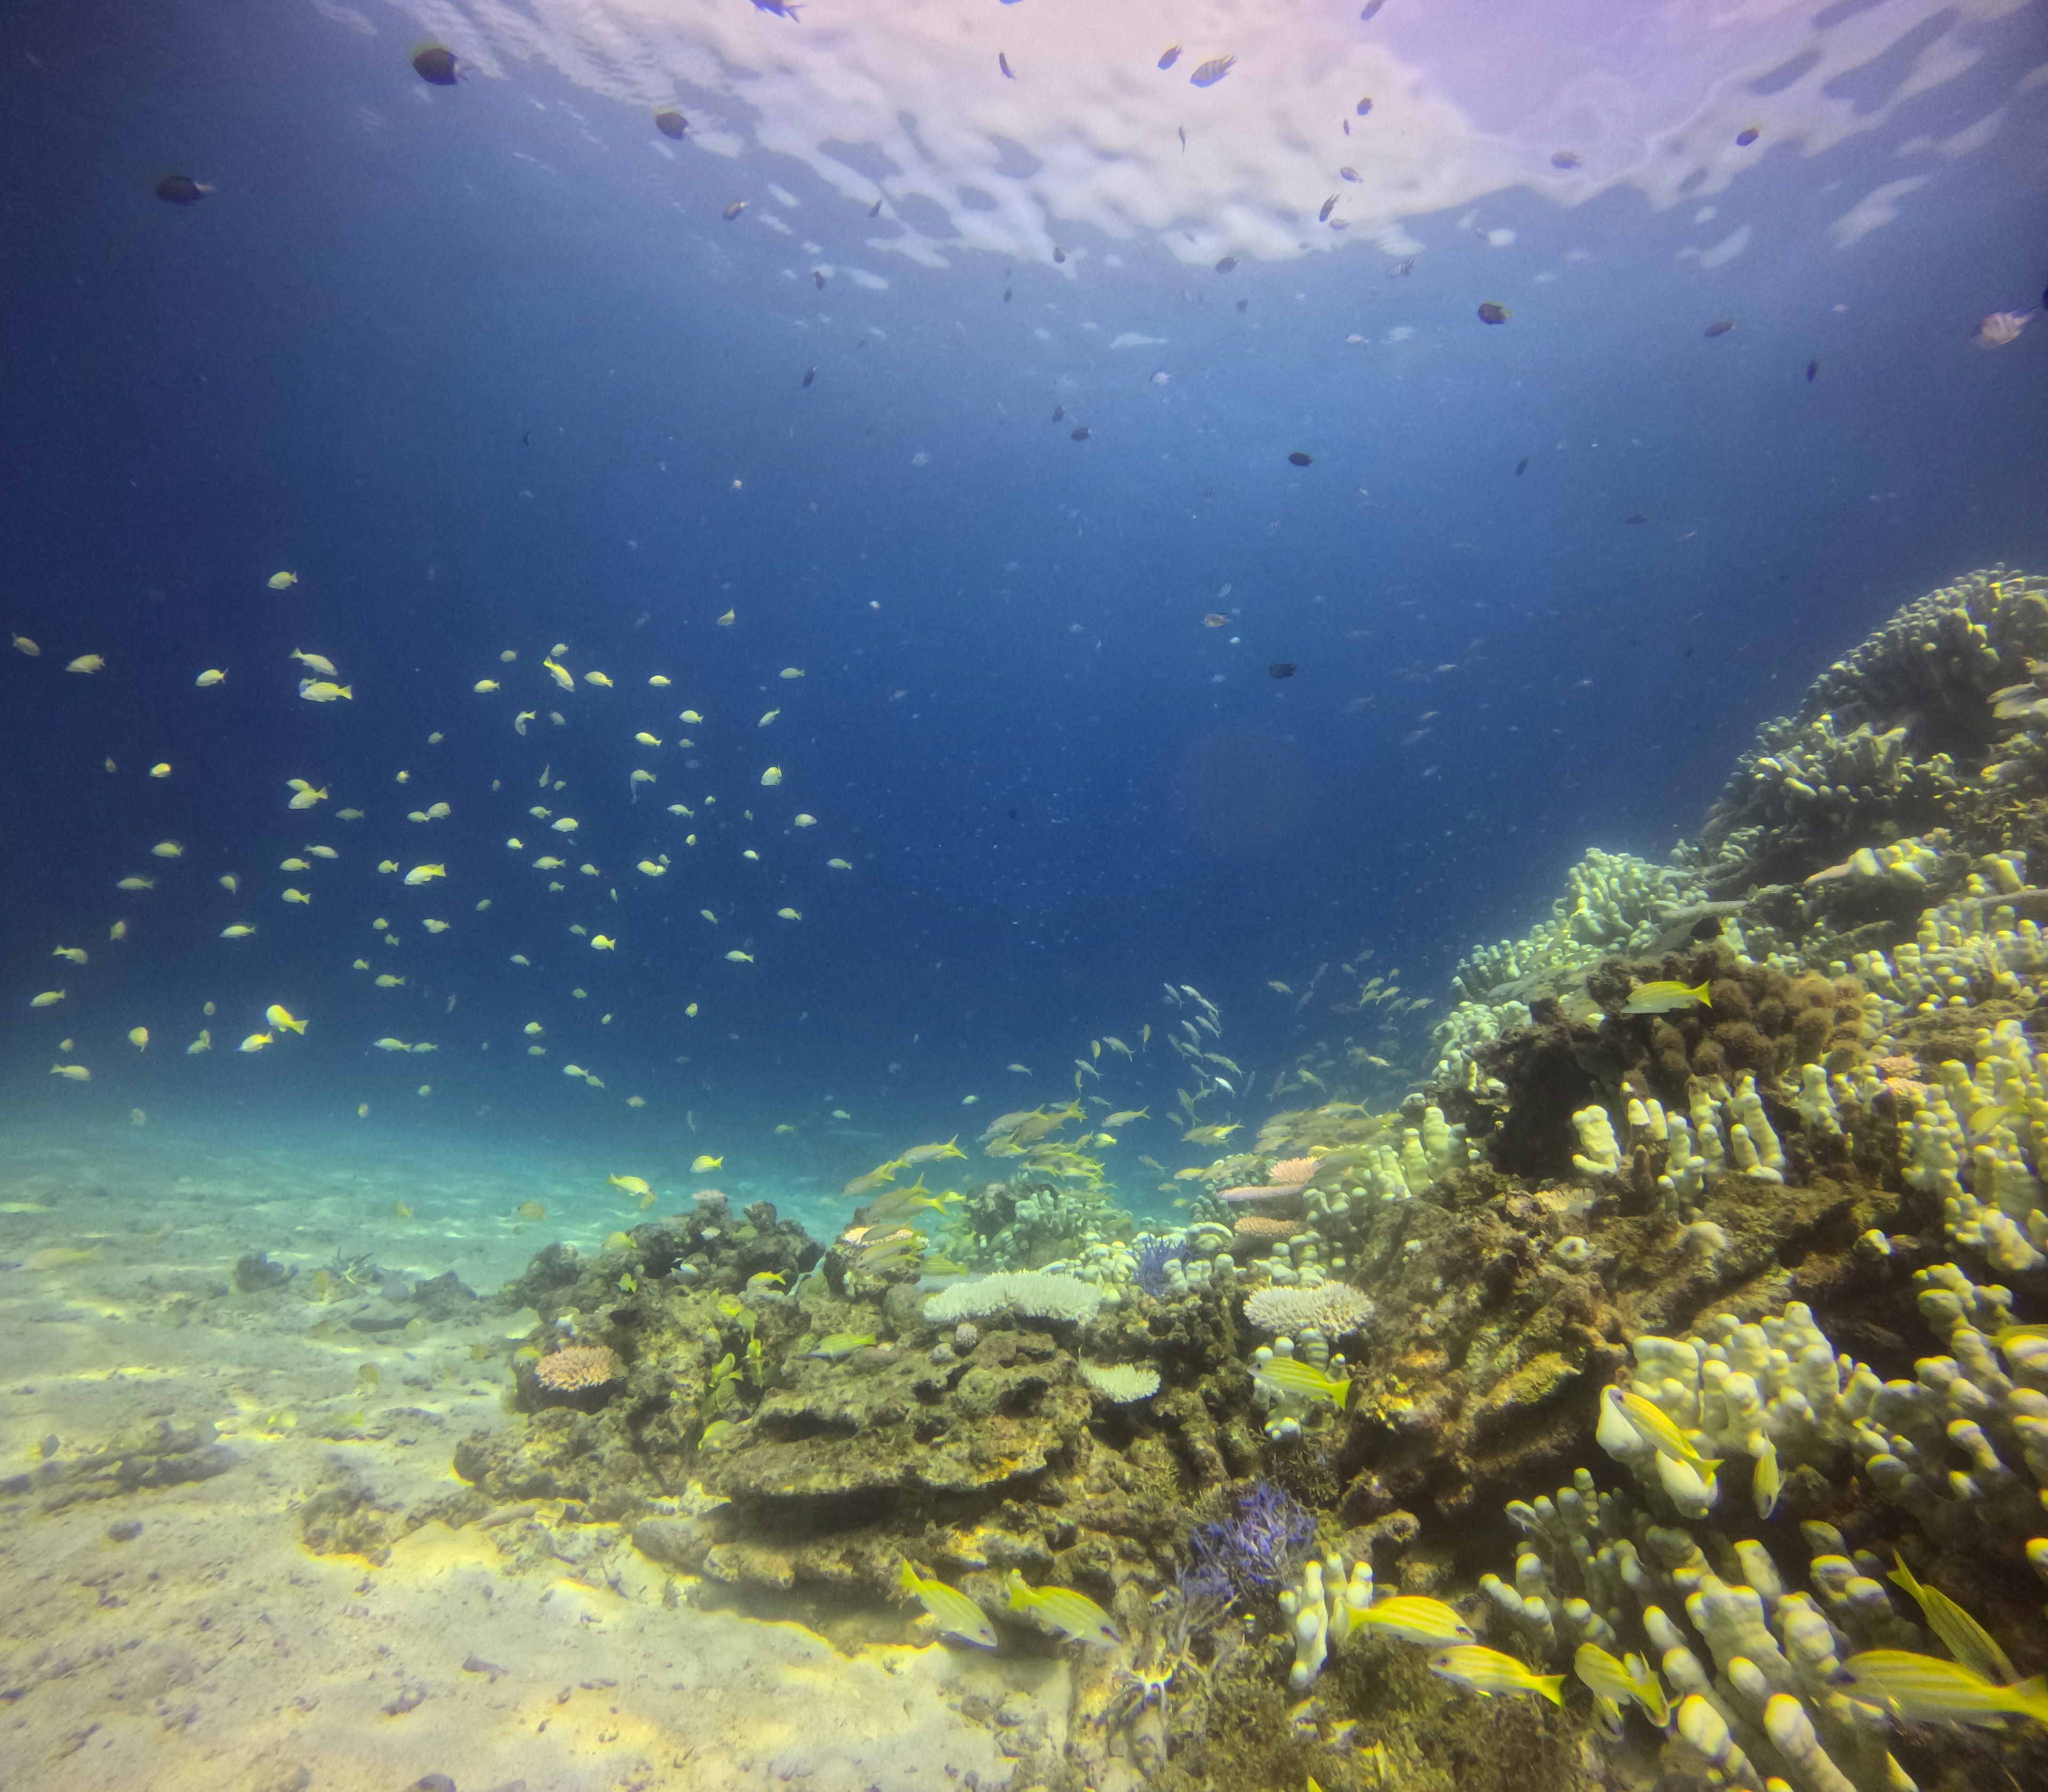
[[488, 376]]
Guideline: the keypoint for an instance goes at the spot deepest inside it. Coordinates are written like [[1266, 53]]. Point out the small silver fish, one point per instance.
[[2000, 327]]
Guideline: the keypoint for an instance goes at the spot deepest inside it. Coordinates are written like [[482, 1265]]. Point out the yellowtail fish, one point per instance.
[[48, 998], [238, 931], [1666, 998], [952, 1610], [313, 662], [86, 663], [843, 1343], [422, 873], [879, 1177], [1303, 1380], [213, 675], [560, 673], [138, 1037], [281, 1019], [1653, 1426], [740, 957], [1123, 1116], [1925, 1689], [838, 865], [632, 1184], [704, 1164], [203, 1043], [1960, 1634], [71, 1073], [255, 1042], [282, 581], [323, 690], [1620, 1680], [1415, 1619], [1209, 1135], [928, 1154], [1488, 1671], [386, 980], [1074, 1614]]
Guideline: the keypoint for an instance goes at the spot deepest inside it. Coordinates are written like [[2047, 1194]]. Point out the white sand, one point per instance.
[[213, 1651]]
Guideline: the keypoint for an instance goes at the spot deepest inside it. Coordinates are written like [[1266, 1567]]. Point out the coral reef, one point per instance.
[[1699, 1231]]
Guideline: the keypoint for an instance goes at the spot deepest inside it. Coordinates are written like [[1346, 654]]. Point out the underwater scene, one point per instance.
[[999, 896]]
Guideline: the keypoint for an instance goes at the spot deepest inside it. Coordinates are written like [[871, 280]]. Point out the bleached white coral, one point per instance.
[[1031, 1292], [1332, 1307], [1122, 1382]]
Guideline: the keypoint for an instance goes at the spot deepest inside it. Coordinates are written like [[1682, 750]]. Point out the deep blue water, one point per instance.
[[488, 376]]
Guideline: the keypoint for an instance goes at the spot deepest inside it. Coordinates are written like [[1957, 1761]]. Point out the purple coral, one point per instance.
[[1256, 1550], [1154, 1255]]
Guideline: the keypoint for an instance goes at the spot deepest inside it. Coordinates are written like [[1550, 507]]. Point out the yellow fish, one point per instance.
[[313, 662], [560, 673], [805, 821], [213, 675], [647, 739], [323, 852], [293, 865], [238, 931], [389, 1044], [23, 645], [71, 1073], [280, 1018], [603, 943], [167, 849], [1651, 1423], [435, 926], [769, 717], [422, 873], [117, 931], [48, 998], [1666, 998], [566, 824], [1074, 1614], [282, 581], [203, 1043], [87, 663], [702, 1165], [690, 716], [1960, 1634], [519, 722], [952, 1610], [1925, 1689], [1488, 1671], [386, 980], [632, 1184], [484, 686], [791, 672], [322, 690], [162, 770], [76, 954], [255, 1042], [739, 957], [726, 620], [659, 681], [788, 914], [298, 896], [691, 1010], [138, 1037], [597, 678], [838, 865]]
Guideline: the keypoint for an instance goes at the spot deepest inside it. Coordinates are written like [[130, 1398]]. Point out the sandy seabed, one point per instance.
[[172, 1446]]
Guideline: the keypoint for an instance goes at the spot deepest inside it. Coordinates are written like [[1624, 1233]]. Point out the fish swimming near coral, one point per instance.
[[1415, 1619], [1666, 997], [952, 1610], [1488, 1671], [1925, 1689], [1074, 1614]]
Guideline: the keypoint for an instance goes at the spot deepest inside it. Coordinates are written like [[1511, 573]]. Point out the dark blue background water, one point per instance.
[[489, 375]]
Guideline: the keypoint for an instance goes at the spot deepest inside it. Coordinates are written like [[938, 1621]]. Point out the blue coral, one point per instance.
[[1153, 1256], [1257, 1550]]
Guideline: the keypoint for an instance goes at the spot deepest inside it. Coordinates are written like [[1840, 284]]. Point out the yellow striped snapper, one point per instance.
[[1651, 1423], [1960, 1634], [1303, 1380], [1488, 1671], [1414, 1620], [1925, 1689], [1071, 1614], [951, 1609], [1619, 1680]]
